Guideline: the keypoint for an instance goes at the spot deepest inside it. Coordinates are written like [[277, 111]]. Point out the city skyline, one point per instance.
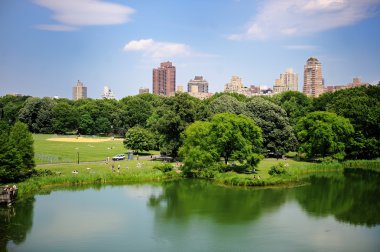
[[46, 46]]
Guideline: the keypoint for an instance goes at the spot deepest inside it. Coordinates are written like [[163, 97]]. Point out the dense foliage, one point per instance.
[[138, 139], [16, 152], [226, 136], [287, 122]]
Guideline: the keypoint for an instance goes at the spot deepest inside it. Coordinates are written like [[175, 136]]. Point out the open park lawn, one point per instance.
[[65, 149], [60, 154]]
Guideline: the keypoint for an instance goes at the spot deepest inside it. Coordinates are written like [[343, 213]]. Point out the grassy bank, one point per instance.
[[142, 171], [94, 173], [296, 172]]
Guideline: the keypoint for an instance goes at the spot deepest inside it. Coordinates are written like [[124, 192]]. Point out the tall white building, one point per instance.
[[288, 81], [107, 93]]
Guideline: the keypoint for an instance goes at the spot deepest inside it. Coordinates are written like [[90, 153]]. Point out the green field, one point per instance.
[[59, 158], [47, 152]]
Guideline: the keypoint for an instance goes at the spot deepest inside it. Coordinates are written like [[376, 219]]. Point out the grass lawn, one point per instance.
[[47, 151], [94, 173], [293, 166]]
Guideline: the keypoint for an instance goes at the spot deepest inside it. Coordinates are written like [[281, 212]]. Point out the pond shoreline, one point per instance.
[[295, 177]]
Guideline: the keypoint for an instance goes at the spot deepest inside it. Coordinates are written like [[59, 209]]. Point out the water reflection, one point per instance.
[[153, 216], [183, 199], [352, 198], [15, 222]]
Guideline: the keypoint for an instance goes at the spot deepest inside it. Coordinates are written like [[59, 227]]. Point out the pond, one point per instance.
[[336, 213]]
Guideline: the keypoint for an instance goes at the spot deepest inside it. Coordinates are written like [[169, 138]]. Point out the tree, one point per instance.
[[16, 152], [10, 106], [226, 136], [236, 136], [323, 134], [86, 124], [135, 112], [226, 104], [103, 125], [198, 151], [65, 118], [171, 119], [278, 135], [37, 114], [296, 105], [138, 139], [361, 106]]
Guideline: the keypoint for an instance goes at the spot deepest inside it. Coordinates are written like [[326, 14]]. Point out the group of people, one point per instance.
[[113, 168]]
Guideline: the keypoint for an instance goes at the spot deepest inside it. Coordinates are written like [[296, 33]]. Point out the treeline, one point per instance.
[[344, 124]]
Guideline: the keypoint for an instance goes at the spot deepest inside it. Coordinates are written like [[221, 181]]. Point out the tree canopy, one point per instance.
[[226, 136], [278, 135], [168, 117], [323, 134], [138, 139], [16, 152]]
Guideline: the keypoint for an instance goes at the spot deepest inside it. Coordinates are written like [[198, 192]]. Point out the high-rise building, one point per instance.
[[164, 79], [107, 93], [313, 81], [288, 81], [79, 91], [201, 84], [234, 86], [143, 90]]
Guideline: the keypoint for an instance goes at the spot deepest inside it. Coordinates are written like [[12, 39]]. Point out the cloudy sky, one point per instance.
[[47, 45]]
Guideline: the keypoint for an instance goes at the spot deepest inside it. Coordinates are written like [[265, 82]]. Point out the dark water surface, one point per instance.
[[331, 214]]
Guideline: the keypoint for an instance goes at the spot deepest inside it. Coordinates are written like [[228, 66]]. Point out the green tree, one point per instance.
[[323, 134], [135, 112], [361, 106], [278, 135], [37, 114], [16, 152], [198, 151], [296, 105], [86, 124], [226, 104], [171, 119], [10, 106], [138, 139], [103, 125], [236, 136], [65, 117], [227, 136]]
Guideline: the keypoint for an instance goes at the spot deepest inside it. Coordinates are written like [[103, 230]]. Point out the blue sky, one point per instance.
[[47, 45]]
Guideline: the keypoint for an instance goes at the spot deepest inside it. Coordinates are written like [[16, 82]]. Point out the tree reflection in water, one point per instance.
[[181, 200], [15, 222], [352, 198]]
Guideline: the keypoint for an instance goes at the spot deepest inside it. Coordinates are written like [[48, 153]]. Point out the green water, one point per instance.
[[331, 214]]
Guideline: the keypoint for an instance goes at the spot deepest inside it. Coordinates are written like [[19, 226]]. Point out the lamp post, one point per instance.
[[78, 156]]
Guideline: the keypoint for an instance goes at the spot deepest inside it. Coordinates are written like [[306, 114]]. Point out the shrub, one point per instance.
[[166, 167], [277, 169]]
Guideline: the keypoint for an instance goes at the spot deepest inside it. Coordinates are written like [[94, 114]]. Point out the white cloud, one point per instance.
[[153, 49], [71, 14], [278, 18], [301, 47]]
